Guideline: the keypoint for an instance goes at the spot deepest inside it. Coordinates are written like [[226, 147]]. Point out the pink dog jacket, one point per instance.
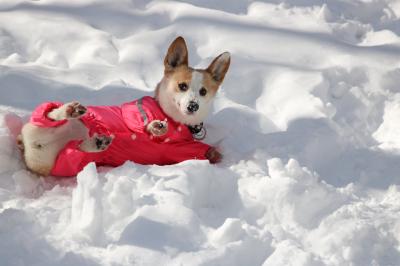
[[131, 141]]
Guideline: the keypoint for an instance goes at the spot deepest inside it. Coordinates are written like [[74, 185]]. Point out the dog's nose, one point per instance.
[[193, 107]]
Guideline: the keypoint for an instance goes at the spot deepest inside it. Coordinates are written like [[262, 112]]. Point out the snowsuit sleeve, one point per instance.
[[39, 115], [140, 113], [188, 150]]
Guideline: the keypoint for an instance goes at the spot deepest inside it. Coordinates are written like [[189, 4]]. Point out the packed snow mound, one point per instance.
[[307, 118]]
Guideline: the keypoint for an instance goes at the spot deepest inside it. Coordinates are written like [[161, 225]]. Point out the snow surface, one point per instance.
[[308, 119]]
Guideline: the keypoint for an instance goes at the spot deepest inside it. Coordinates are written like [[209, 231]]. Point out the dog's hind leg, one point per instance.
[[41, 145], [51, 127]]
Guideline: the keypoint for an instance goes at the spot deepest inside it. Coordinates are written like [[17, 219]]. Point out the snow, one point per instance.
[[307, 118], [86, 206]]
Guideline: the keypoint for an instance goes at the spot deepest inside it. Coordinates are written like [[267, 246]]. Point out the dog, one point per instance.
[[60, 139]]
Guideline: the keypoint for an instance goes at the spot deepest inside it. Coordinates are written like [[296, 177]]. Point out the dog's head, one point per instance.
[[185, 94]]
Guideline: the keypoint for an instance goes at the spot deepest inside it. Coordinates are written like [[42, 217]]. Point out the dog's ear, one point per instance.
[[177, 54], [219, 66]]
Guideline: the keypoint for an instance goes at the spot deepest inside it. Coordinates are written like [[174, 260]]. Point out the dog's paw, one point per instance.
[[97, 143], [74, 110], [157, 128], [102, 142], [67, 111], [213, 155]]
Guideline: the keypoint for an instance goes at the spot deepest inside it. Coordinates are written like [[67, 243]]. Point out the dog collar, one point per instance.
[[198, 131]]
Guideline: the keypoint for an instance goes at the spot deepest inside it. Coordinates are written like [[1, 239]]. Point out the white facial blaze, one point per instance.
[[196, 84], [193, 95]]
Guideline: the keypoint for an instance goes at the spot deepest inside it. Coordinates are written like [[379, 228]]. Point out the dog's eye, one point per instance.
[[203, 91], [183, 86]]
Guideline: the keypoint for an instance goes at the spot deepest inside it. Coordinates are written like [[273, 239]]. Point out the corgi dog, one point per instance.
[[61, 139]]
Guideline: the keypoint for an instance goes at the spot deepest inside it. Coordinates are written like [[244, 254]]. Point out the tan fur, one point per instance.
[[209, 83], [181, 74]]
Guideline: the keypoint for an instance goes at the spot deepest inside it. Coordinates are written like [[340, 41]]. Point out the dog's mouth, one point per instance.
[[184, 111]]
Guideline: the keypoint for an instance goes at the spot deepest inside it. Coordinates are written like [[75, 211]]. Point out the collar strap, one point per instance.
[[196, 128], [198, 131]]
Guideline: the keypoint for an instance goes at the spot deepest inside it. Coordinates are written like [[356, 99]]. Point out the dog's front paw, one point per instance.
[[157, 128], [74, 110], [97, 143], [213, 155]]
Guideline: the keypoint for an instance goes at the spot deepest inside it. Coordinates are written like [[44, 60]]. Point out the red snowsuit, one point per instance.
[[131, 143]]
